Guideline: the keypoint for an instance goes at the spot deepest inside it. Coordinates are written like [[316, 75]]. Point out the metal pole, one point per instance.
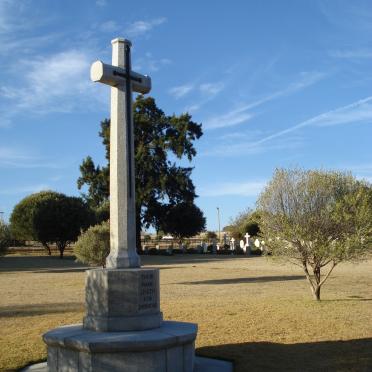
[[219, 225]]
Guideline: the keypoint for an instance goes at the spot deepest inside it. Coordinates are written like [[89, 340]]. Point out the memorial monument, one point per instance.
[[123, 329]]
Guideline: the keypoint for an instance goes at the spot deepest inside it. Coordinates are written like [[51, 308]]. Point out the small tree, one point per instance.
[[5, 237], [93, 245], [316, 219], [50, 217], [184, 220]]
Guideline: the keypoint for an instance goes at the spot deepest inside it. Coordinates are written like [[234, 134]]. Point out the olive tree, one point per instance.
[[316, 219]]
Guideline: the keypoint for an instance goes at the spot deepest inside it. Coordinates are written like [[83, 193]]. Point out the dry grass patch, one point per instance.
[[259, 314]]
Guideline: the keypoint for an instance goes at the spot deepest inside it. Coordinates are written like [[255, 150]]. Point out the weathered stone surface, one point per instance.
[[122, 300], [164, 349], [201, 365]]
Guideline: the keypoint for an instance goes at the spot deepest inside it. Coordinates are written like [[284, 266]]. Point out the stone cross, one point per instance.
[[247, 236], [123, 81], [232, 244]]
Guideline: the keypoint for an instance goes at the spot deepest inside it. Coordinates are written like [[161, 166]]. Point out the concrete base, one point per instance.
[[201, 365], [169, 348], [122, 300]]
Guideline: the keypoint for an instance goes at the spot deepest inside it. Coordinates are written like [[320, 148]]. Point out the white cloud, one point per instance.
[[229, 119], [211, 88], [56, 83], [352, 54], [24, 189], [356, 112], [101, 3], [247, 188], [242, 114], [16, 158], [109, 26], [142, 27], [181, 91]]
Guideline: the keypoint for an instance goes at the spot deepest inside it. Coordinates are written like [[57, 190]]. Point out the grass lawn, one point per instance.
[[257, 313]]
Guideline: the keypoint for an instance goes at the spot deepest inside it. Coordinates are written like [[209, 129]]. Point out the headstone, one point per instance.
[[214, 246], [205, 247], [241, 244], [123, 328], [247, 244], [232, 245], [257, 243]]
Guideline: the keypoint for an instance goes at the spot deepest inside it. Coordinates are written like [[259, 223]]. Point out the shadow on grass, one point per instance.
[[351, 355], [39, 309], [259, 279], [40, 264]]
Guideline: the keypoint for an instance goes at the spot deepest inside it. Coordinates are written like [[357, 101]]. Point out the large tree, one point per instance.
[[160, 182], [316, 219], [50, 217], [183, 221]]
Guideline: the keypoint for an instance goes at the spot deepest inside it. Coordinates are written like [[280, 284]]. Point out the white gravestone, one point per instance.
[[123, 328], [247, 244], [232, 246]]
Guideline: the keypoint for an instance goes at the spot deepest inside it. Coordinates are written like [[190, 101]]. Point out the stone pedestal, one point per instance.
[[122, 300], [169, 348], [123, 329]]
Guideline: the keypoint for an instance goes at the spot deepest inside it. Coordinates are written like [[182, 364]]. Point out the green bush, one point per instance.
[[93, 245], [5, 237]]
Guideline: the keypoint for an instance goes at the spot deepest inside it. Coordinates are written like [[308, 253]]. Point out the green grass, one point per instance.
[[252, 311]]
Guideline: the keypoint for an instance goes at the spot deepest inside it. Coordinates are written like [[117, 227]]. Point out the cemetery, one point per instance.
[[126, 276]]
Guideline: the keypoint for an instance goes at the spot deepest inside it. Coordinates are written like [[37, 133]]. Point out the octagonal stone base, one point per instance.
[[169, 348]]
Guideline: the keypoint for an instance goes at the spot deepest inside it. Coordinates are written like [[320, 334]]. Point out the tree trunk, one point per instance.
[[46, 246], [61, 248], [316, 292]]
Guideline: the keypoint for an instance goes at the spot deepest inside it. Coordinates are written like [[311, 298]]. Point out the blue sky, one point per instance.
[[274, 83]]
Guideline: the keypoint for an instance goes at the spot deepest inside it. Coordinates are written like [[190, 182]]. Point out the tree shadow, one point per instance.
[[351, 355], [39, 309], [40, 264], [259, 279]]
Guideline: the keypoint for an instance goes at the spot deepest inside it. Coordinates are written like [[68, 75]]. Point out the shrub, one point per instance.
[[5, 237], [93, 245]]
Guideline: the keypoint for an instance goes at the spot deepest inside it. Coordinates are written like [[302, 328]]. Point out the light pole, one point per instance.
[[219, 225]]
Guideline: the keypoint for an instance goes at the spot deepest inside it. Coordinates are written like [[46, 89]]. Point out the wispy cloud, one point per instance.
[[24, 189], [239, 188], [142, 27], [109, 26], [242, 114], [352, 54], [207, 91], [211, 88], [16, 158], [101, 3], [151, 63], [55, 83], [356, 112], [181, 90]]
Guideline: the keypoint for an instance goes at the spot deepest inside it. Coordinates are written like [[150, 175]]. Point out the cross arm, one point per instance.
[[114, 76]]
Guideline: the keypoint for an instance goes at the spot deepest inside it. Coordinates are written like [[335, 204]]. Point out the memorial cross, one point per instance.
[[123, 81]]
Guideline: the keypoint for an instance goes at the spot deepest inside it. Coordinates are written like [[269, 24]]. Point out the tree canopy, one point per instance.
[[183, 221], [316, 219], [50, 217], [160, 182]]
